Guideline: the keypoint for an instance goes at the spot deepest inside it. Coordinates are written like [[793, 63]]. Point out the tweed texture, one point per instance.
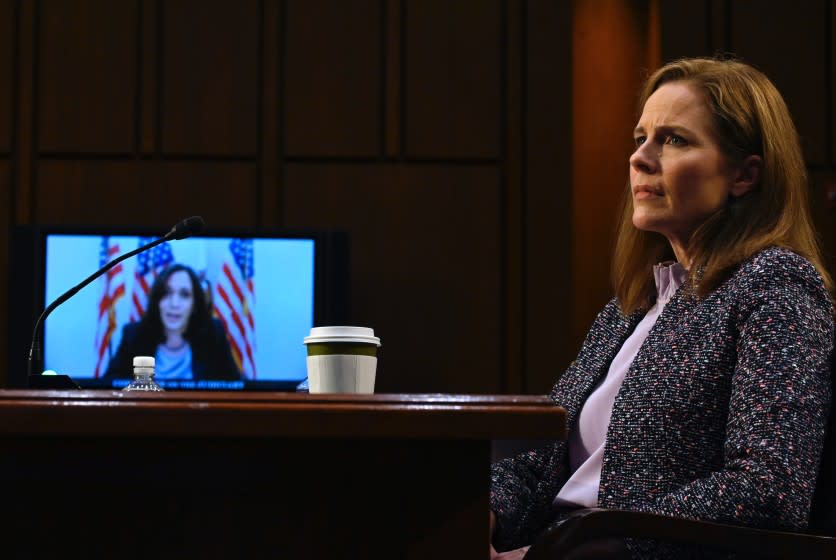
[[721, 415]]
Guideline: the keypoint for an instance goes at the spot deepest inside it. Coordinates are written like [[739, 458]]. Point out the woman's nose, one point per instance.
[[645, 158]]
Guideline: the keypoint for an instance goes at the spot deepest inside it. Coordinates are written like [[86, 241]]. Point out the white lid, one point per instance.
[[143, 361], [362, 335]]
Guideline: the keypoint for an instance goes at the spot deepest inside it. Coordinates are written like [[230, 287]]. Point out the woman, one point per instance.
[[702, 389], [178, 331]]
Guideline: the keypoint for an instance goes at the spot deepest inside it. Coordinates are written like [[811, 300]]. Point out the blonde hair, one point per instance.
[[750, 118]]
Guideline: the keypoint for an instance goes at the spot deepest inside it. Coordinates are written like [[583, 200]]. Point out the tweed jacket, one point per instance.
[[721, 415]]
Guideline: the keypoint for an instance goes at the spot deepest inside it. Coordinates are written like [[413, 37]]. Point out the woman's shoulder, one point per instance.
[[130, 331], [776, 265], [211, 334], [778, 272], [611, 319]]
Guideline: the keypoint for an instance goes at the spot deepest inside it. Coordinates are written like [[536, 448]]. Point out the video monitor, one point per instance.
[[219, 311]]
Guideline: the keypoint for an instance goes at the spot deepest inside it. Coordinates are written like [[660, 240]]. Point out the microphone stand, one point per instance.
[[38, 380]]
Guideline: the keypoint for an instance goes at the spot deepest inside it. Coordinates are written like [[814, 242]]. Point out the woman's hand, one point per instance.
[[515, 554]]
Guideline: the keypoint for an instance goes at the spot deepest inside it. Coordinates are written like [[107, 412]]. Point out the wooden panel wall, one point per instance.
[[547, 289], [209, 72], [333, 79], [804, 86], [424, 268], [453, 76], [85, 72], [609, 63], [413, 172], [8, 40], [7, 46], [448, 138]]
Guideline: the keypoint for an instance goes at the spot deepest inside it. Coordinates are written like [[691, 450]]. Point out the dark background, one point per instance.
[[475, 150]]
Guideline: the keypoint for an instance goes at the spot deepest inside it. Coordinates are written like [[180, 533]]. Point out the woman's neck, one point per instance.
[[681, 253], [174, 341]]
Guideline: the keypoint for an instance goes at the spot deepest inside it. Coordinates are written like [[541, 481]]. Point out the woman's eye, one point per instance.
[[675, 140], [639, 140]]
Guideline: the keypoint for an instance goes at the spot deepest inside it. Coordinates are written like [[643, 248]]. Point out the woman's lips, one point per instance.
[[642, 192]]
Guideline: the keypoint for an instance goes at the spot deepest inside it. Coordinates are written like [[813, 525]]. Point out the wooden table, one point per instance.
[[105, 474]]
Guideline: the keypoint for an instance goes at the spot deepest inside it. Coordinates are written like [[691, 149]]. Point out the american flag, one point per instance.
[[234, 302], [148, 265], [112, 291]]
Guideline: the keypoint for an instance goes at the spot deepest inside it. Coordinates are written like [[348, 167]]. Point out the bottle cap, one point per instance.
[[144, 361]]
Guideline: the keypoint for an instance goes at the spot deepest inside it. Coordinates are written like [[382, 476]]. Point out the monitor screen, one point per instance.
[[217, 311]]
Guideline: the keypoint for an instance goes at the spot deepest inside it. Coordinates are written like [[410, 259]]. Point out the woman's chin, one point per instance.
[[644, 222]]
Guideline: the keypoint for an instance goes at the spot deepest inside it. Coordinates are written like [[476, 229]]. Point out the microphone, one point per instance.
[[182, 230], [186, 228]]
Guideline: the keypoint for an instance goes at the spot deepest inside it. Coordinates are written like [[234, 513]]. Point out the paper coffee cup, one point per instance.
[[341, 359]]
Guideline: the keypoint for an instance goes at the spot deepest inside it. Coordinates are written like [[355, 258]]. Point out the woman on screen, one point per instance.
[[178, 330]]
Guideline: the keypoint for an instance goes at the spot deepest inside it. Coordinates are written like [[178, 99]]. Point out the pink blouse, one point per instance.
[[586, 441]]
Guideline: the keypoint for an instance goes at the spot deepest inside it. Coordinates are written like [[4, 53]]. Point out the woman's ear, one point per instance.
[[748, 175]]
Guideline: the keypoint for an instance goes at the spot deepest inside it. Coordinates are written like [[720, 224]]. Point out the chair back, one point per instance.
[[823, 514]]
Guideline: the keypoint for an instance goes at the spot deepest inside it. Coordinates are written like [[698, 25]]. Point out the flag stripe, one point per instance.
[[236, 318], [232, 312], [238, 293], [236, 351], [234, 291], [103, 346], [115, 271], [149, 265], [113, 291], [107, 302]]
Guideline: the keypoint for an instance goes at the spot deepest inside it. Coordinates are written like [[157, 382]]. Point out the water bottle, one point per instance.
[[143, 375]]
